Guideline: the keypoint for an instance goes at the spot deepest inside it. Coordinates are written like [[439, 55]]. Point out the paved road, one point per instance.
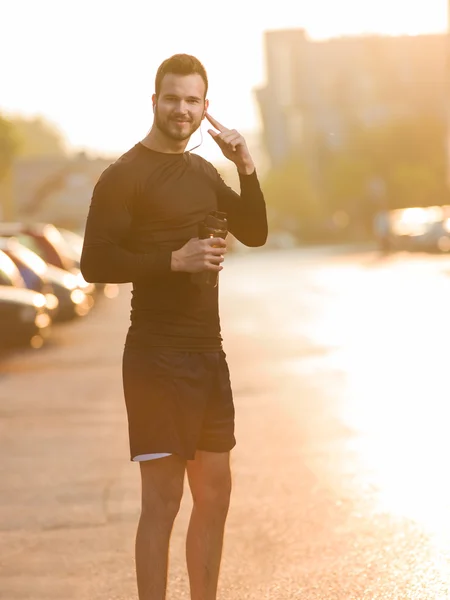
[[341, 487]]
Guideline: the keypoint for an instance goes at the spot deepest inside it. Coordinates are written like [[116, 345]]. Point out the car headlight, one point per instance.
[[77, 296], [88, 288], [70, 281], [39, 300], [81, 281], [42, 321], [52, 301]]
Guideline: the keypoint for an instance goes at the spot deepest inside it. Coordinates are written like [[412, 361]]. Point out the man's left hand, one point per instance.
[[233, 146]]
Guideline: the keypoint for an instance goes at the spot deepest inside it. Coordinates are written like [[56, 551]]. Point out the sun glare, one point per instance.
[[95, 82]]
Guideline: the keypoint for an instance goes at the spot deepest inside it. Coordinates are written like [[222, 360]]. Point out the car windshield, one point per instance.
[[31, 259], [9, 273], [74, 240], [61, 245], [31, 244], [55, 254]]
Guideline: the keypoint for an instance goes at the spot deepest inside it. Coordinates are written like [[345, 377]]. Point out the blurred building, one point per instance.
[[315, 89], [56, 190]]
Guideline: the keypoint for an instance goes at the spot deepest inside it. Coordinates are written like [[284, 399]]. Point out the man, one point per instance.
[[142, 228]]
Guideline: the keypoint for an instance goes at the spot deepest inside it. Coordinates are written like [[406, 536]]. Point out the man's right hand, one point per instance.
[[199, 255]]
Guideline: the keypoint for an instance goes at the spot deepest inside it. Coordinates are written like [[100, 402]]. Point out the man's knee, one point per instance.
[[213, 496], [162, 491], [162, 509]]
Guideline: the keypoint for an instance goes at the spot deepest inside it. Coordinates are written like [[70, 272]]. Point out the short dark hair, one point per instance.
[[180, 64]]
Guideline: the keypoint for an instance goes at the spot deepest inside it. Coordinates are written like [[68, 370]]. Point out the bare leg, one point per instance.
[[162, 490], [210, 481]]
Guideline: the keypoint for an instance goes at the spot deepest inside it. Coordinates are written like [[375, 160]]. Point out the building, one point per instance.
[[56, 190], [315, 89]]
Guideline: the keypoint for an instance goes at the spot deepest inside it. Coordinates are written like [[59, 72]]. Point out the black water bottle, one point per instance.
[[214, 225]]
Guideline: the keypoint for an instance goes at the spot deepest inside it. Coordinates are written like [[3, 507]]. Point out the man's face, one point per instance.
[[180, 106]]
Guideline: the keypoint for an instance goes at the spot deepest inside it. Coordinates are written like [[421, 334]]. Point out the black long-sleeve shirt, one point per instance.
[[146, 205]]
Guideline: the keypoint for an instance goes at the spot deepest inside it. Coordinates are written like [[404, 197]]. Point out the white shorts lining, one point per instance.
[[142, 457]]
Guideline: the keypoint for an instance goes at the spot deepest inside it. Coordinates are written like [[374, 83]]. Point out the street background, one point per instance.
[[336, 332], [338, 361]]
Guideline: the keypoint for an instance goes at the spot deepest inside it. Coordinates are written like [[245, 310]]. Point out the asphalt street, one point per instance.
[[339, 363]]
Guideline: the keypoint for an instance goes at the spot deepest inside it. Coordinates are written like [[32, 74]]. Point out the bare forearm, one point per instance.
[[246, 168]]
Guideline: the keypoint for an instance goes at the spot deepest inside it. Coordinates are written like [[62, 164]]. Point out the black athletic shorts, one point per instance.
[[177, 402]]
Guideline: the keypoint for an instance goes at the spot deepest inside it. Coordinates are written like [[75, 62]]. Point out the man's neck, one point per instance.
[[156, 140]]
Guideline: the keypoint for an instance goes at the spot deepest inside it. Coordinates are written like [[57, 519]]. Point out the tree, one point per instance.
[[38, 137], [345, 180], [8, 146], [409, 155], [291, 197], [395, 164]]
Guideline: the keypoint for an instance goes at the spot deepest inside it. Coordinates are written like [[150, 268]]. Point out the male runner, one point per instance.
[[142, 228]]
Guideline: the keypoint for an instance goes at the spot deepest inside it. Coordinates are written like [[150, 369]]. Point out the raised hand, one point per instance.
[[233, 146]]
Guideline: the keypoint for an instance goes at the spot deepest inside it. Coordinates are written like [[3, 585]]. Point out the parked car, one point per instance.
[[59, 286], [10, 275], [425, 229], [75, 241], [30, 272], [24, 319], [47, 242]]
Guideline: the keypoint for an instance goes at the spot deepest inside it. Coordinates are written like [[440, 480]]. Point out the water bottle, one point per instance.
[[214, 225]]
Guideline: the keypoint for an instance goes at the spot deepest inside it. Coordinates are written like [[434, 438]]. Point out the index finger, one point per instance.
[[215, 123]]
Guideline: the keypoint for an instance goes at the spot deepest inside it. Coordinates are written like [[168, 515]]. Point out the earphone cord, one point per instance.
[[198, 145]]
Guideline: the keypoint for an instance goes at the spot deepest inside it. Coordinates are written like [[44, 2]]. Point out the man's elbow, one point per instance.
[[89, 270], [257, 240], [98, 268], [258, 243], [89, 274], [261, 234]]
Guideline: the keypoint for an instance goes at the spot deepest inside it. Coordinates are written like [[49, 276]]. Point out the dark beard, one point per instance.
[[181, 137]]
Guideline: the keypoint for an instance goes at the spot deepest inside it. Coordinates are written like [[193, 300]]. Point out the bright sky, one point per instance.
[[89, 65]]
